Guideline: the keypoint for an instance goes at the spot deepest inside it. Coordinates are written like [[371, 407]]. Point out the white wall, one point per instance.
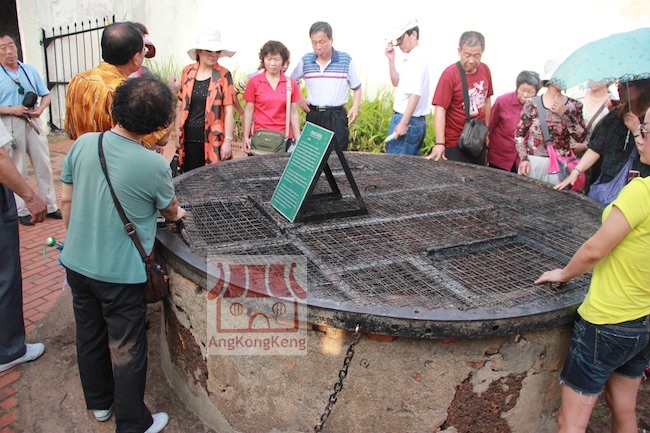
[[538, 31]]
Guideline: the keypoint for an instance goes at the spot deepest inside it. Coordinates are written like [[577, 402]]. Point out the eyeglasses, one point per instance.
[[643, 129], [21, 89]]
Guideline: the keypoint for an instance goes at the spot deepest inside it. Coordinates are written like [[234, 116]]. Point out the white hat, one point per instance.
[[397, 32], [550, 67], [210, 40]]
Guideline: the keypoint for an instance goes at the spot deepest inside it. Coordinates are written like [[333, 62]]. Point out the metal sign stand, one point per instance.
[[335, 193]]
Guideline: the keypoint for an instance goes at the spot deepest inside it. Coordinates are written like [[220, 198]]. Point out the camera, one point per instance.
[[30, 99]]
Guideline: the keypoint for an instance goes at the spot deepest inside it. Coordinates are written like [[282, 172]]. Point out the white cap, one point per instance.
[[397, 32]]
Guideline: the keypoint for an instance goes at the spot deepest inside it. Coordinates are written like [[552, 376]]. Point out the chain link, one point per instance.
[[338, 386]]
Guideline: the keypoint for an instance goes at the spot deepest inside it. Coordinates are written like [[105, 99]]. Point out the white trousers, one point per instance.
[[29, 143]]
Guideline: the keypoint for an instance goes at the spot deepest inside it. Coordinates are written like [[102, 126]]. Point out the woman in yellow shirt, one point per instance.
[[610, 347]]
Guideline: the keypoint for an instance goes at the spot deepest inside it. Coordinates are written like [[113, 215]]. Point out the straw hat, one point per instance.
[[210, 40]]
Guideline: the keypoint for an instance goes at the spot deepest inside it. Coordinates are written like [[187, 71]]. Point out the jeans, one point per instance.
[[597, 351], [410, 143]]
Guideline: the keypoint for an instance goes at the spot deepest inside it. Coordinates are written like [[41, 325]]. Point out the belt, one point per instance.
[[412, 117], [315, 108]]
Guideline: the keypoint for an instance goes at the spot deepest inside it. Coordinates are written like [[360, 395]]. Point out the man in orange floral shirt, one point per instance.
[[90, 94]]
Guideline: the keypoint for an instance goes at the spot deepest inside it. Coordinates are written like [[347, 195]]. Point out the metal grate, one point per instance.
[[236, 220], [441, 240]]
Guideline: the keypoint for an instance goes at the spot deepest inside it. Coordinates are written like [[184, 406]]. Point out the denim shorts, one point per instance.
[[597, 351]]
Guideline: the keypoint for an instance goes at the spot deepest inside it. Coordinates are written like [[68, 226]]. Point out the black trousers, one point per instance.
[[12, 324], [110, 321], [334, 120], [454, 154]]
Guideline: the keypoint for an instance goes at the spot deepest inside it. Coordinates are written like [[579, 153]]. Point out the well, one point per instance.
[[439, 277]]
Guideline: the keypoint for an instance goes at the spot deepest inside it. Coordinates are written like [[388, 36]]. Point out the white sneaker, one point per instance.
[[160, 421], [103, 414], [32, 352]]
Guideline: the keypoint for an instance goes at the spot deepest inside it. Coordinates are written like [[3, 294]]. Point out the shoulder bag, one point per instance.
[[605, 193], [265, 141], [475, 131], [157, 285], [560, 165]]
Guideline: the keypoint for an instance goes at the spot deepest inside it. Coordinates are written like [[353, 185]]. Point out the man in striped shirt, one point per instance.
[[328, 75]]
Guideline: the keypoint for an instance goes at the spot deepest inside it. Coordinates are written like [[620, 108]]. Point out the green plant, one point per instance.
[[165, 68], [367, 134]]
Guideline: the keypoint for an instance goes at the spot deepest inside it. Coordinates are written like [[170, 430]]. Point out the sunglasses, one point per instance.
[[212, 52], [21, 89]]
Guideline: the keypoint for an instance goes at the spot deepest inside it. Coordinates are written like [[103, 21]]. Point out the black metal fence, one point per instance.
[[73, 49]]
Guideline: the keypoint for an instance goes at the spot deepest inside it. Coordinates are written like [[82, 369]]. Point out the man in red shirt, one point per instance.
[[448, 99]]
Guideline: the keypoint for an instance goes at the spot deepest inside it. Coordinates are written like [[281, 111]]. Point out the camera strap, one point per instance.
[[16, 81], [18, 78]]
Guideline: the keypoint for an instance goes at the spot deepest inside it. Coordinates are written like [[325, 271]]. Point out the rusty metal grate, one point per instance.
[[218, 222], [441, 242]]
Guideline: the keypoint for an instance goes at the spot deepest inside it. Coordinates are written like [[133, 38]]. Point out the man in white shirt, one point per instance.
[[412, 81]]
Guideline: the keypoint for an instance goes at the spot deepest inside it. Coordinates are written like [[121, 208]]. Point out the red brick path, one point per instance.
[[43, 277], [42, 282]]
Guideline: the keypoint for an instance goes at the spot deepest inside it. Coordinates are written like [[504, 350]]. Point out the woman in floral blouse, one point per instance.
[[564, 120]]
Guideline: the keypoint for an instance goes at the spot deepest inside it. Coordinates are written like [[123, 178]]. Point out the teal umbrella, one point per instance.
[[622, 56]]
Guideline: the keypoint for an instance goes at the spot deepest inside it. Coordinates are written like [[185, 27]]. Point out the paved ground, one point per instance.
[[30, 395], [45, 396]]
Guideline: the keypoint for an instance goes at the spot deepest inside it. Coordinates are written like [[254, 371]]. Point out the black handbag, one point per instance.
[[157, 285], [475, 131]]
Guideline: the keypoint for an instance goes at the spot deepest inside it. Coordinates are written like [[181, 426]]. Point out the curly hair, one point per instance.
[[274, 47], [143, 105]]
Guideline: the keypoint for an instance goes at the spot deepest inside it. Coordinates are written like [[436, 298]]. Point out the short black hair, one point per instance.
[[528, 77], [413, 29], [4, 33], [471, 39], [274, 47], [141, 27], [321, 26], [120, 42], [143, 105]]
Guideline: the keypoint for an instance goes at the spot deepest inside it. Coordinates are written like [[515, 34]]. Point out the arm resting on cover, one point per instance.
[[613, 230], [173, 212]]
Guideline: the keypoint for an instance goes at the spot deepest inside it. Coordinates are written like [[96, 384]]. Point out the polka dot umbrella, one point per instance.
[[622, 56]]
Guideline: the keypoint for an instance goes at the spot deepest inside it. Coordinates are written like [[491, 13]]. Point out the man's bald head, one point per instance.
[[120, 42]]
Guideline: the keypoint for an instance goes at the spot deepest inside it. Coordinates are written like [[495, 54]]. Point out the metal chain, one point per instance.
[[338, 386]]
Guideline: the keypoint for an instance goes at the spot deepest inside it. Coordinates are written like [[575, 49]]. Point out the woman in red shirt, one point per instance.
[[506, 112], [266, 95]]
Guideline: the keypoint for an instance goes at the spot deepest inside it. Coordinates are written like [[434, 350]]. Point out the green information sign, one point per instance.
[[301, 171]]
